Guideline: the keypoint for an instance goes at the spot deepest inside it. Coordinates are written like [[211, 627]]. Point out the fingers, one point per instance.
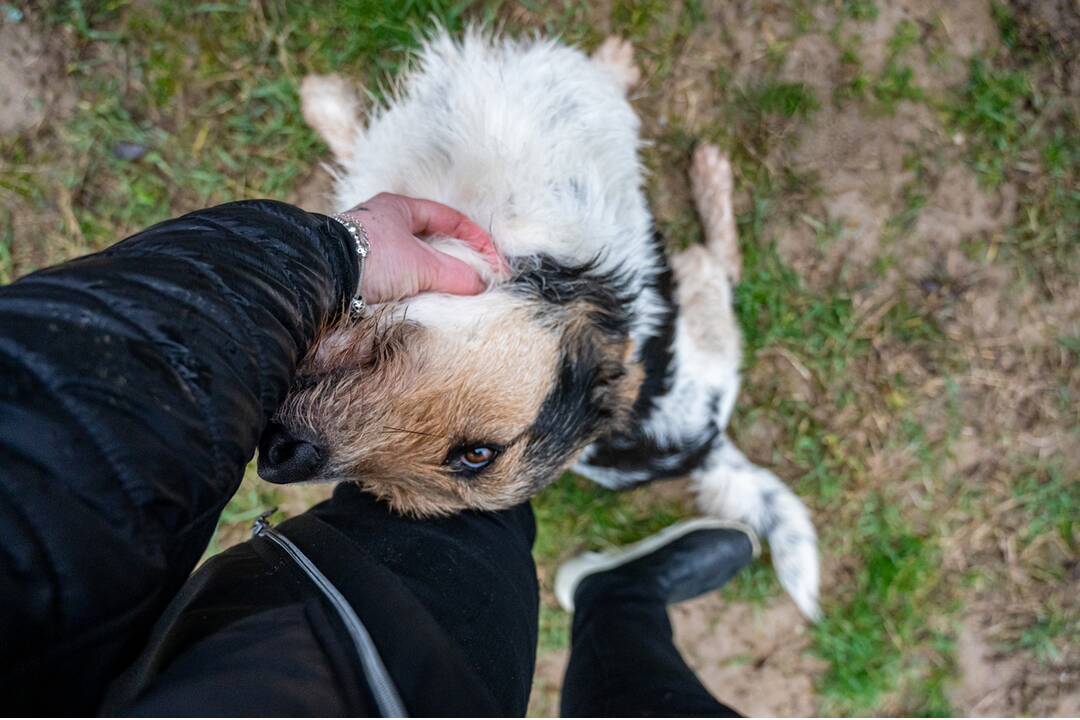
[[401, 265], [431, 218], [449, 275], [428, 217]]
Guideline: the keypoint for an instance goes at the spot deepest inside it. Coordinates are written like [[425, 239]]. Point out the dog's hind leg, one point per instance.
[[331, 107], [616, 55], [712, 185], [710, 343], [728, 485]]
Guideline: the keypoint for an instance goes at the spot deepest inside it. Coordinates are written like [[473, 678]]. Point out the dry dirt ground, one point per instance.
[[908, 210]]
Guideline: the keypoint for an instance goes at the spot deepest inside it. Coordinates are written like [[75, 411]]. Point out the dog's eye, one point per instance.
[[471, 459], [478, 457]]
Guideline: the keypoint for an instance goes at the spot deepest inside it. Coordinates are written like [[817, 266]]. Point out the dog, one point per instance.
[[594, 351]]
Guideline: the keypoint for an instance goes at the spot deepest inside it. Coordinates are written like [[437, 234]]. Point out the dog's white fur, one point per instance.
[[539, 144]]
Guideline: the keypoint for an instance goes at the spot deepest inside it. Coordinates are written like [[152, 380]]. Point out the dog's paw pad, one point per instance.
[[617, 55]]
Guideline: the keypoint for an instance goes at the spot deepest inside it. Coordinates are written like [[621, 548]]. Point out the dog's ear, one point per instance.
[[594, 341], [375, 341], [331, 107]]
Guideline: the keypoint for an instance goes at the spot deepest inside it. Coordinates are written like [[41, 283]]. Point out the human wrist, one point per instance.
[[362, 244]]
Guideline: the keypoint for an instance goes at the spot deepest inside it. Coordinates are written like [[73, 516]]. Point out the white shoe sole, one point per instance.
[[573, 571]]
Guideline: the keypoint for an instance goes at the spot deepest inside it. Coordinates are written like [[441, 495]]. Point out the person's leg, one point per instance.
[[473, 574], [623, 661]]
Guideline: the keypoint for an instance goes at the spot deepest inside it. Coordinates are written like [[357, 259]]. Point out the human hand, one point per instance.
[[400, 264]]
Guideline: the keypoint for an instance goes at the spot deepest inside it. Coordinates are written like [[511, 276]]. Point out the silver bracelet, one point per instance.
[[359, 235]]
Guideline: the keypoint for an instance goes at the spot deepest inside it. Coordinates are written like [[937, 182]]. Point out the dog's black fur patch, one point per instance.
[[575, 409], [606, 294], [658, 351], [641, 459]]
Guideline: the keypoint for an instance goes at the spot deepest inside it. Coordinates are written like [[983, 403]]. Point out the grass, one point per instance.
[[238, 70], [775, 308], [864, 404], [1048, 637], [573, 515], [600, 518], [894, 84], [1013, 119], [991, 112], [872, 640], [7, 272], [863, 10], [1049, 498], [788, 99]]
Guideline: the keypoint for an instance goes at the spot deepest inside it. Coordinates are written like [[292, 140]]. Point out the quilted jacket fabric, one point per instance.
[[134, 384]]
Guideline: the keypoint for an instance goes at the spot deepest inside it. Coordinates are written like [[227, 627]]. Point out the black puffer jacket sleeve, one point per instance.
[[134, 385]]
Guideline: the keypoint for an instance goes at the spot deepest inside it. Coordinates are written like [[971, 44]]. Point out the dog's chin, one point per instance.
[[415, 498], [443, 495]]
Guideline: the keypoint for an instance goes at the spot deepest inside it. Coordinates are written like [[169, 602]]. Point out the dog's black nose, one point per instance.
[[286, 457]]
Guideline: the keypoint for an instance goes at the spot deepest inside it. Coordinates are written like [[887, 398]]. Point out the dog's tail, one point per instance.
[[731, 487]]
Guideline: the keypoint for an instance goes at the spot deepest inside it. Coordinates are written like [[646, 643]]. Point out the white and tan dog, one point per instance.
[[593, 351]]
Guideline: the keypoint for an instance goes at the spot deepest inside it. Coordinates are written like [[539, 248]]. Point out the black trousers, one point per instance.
[[451, 604], [623, 661]]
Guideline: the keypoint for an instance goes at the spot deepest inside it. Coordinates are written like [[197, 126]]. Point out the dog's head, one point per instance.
[[449, 403]]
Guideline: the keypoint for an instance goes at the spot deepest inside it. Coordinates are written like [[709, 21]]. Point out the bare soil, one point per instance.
[[31, 80]]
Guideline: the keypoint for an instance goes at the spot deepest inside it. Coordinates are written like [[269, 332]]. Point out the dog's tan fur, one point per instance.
[[392, 399]]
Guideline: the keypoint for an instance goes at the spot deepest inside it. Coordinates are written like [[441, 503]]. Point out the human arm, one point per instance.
[[136, 382]]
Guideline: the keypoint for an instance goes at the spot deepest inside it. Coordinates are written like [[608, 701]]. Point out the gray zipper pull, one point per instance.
[[262, 523]]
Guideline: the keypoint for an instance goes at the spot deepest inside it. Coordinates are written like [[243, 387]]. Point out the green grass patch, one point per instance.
[[214, 109], [635, 19], [253, 498], [895, 85], [1050, 500], [1049, 636], [863, 10], [554, 633], [656, 28], [1021, 127], [873, 640], [990, 111], [755, 584], [896, 82], [906, 35], [1045, 242], [773, 306], [574, 514], [1008, 27], [777, 311], [792, 100], [7, 265]]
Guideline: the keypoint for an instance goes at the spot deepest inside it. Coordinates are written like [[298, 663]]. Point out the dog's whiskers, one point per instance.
[[411, 432]]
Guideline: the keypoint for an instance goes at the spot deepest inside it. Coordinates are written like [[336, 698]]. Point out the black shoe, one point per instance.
[[678, 563]]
